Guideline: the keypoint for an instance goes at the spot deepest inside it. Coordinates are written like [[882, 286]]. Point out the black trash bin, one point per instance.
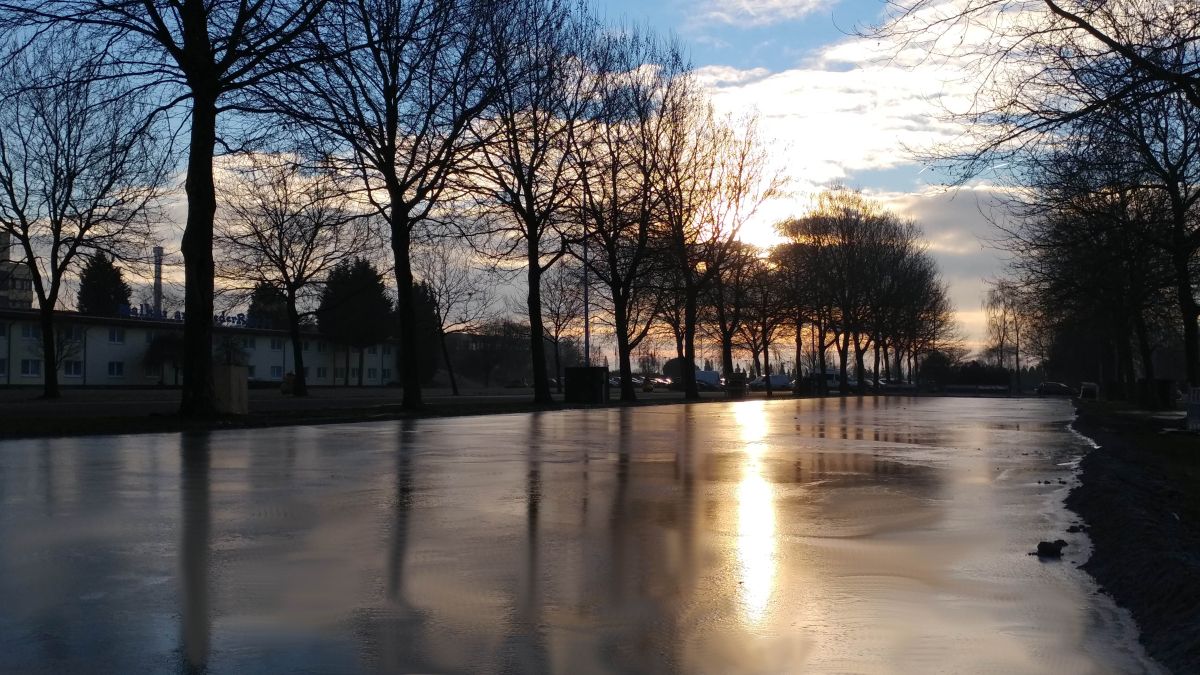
[[586, 385]]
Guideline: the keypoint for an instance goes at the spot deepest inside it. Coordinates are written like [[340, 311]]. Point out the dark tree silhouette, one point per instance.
[[283, 229], [268, 306], [545, 86], [56, 205], [387, 100], [102, 290], [206, 55], [355, 309]]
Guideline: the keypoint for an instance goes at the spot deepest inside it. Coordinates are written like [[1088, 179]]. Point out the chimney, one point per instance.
[[158, 256]]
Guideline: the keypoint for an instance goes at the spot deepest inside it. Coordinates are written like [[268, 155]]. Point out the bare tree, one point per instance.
[[459, 291], [288, 228], [712, 179], [620, 151], [545, 87], [766, 310], [80, 170], [727, 298], [388, 98], [205, 54], [562, 309]]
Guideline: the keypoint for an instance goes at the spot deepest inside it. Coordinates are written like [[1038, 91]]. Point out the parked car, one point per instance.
[[778, 383], [833, 382], [1054, 389]]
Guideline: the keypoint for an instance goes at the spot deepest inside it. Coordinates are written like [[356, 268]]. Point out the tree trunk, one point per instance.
[[860, 365], [300, 383], [409, 358], [1189, 312], [449, 365], [766, 345], [1146, 353], [690, 391], [875, 369], [624, 351], [1017, 354], [843, 350], [558, 371], [199, 396], [537, 332], [799, 355], [819, 345], [727, 354], [49, 351]]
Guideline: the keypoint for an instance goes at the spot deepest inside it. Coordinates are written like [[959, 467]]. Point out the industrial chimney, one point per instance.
[[158, 256]]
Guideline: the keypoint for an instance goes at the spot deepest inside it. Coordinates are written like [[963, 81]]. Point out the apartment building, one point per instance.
[[122, 352]]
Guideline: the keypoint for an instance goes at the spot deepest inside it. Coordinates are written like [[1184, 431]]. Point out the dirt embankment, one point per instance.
[[1140, 497]]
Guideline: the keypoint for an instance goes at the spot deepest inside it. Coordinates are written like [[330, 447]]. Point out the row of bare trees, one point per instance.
[[527, 128], [851, 277], [1089, 113], [517, 123]]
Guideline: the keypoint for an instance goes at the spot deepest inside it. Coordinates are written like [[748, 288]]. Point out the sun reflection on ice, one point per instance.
[[756, 514]]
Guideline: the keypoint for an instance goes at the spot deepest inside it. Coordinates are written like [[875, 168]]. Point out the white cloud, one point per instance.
[[760, 12]]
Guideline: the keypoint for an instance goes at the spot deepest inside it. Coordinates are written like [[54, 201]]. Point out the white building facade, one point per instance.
[[112, 352]]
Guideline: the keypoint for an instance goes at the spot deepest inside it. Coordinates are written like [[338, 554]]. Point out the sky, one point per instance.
[[839, 109]]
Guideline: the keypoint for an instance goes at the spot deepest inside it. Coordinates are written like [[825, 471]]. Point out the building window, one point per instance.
[[339, 373], [354, 373], [116, 336], [387, 350], [276, 372], [73, 368], [371, 373], [152, 370], [387, 374], [250, 372], [322, 373], [116, 369], [31, 331], [276, 344], [248, 343], [371, 350], [31, 367]]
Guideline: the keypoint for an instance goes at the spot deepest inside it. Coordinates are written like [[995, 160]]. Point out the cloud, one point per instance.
[[760, 12], [861, 110]]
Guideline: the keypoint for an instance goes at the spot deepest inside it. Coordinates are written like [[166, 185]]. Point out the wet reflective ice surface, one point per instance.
[[768, 537]]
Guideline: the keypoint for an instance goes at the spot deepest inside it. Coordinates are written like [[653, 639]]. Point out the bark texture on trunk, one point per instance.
[[537, 331], [409, 358], [300, 382], [198, 396], [49, 352]]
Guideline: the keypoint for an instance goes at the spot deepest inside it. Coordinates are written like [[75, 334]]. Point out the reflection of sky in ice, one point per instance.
[[753, 536]]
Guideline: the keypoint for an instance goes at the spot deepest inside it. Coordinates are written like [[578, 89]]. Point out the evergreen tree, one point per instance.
[[355, 309], [268, 307], [102, 291], [428, 331]]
